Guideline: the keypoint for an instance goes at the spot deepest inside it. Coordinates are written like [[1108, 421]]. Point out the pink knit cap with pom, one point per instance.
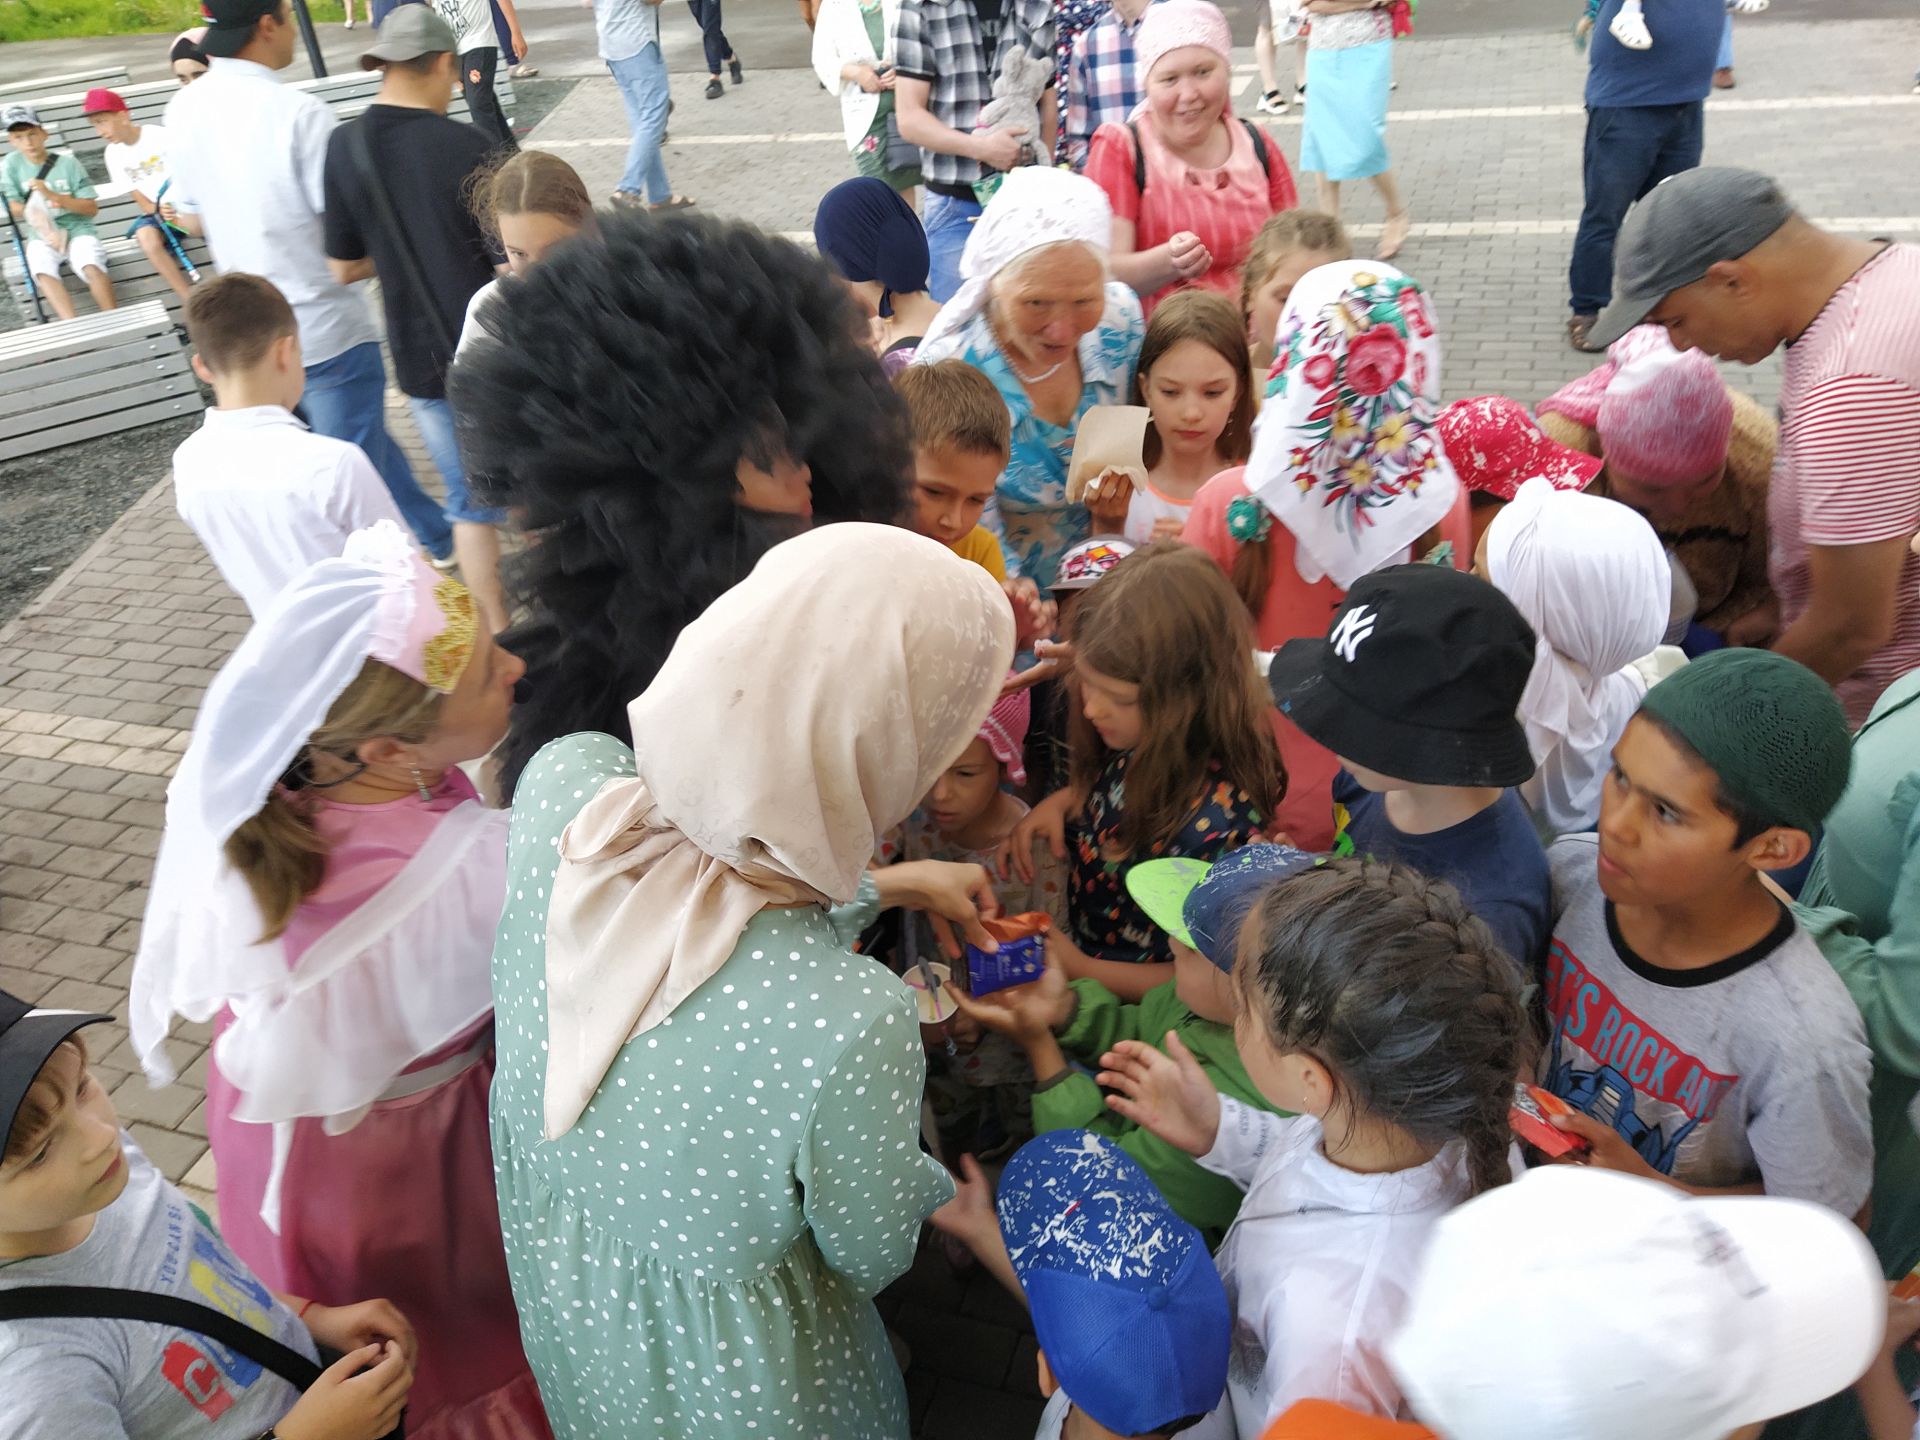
[[1175, 24]]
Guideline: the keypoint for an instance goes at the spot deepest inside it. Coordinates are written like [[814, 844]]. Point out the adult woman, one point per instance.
[[1190, 184], [327, 891], [663, 407], [1349, 82], [873, 240], [1037, 313], [1691, 455], [1591, 578], [529, 203], [853, 56], [186, 59], [1347, 476], [706, 1120]]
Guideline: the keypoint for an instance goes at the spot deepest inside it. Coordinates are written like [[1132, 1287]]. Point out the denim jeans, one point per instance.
[[948, 223], [1725, 59], [435, 419], [706, 14], [346, 398], [642, 80], [1629, 150]]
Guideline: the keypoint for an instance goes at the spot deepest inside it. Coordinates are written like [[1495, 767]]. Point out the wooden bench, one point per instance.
[[133, 278], [28, 92], [97, 375]]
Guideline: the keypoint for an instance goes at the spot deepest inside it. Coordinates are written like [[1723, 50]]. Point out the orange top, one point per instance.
[[1324, 1420]]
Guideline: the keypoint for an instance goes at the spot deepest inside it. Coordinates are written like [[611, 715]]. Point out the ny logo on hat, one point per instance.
[[1355, 626]]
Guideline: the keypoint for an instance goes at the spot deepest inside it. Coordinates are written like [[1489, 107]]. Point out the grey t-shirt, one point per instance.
[[132, 1380], [1754, 1068], [625, 27]]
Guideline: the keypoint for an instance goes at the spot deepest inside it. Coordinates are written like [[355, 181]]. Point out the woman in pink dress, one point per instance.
[[326, 892]]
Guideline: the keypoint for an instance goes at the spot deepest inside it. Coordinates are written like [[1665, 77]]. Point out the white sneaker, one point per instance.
[[1272, 102], [1629, 27], [1748, 7]]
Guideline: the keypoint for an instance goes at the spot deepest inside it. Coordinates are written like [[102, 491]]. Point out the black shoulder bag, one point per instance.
[[382, 203]]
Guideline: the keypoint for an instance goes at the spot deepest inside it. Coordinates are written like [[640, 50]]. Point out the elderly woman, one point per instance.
[[662, 408], [1692, 456], [1190, 184], [706, 1112], [873, 240], [1038, 314]]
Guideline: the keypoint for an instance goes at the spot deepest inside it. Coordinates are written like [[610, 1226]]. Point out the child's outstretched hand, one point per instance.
[[1107, 497], [1165, 1092], [1023, 1012], [1034, 616], [1048, 821], [969, 1217]]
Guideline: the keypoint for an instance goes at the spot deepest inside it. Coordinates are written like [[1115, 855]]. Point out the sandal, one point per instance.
[[1578, 329], [523, 72], [1393, 235], [675, 202]]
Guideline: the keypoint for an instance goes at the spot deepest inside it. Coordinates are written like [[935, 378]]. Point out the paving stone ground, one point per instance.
[[100, 677]]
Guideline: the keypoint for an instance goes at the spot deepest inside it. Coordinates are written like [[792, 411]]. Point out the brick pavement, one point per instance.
[[99, 678]]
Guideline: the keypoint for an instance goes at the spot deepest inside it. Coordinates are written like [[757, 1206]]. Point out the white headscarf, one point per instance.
[[1592, 579], [1344, 450], [1035, 206], [808, 710]]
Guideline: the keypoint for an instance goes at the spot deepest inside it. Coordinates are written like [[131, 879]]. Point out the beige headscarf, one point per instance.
[[808, 710]]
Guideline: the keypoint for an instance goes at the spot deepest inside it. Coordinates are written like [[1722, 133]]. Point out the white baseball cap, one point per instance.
[[1588, 1305]]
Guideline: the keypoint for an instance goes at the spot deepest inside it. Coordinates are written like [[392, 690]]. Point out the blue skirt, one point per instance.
[[1345, 133]]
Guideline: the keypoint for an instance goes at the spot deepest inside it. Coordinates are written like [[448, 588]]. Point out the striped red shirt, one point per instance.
[[1848, 468]]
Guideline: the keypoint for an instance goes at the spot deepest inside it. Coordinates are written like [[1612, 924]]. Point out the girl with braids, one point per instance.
[[1375, 1007], [660, 409]]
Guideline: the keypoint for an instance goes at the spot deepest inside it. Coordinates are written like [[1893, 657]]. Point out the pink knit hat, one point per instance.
[[1005, 731], [1663, 417], [1174, 24]]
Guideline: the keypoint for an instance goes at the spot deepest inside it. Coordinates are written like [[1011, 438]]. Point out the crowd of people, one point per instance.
[[1032, 730]]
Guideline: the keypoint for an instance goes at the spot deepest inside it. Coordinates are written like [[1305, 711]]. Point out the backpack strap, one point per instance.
[[1259, 138], [1139, 160], [99, 1302]]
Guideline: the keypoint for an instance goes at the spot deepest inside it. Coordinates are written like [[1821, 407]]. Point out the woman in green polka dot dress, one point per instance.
[[706, 1108]]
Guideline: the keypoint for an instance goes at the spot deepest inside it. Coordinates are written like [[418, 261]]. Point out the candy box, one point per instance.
[[1021, 958], [1529, 1117]]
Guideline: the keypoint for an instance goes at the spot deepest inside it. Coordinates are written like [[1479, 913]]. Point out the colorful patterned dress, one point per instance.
[[1107, 924]]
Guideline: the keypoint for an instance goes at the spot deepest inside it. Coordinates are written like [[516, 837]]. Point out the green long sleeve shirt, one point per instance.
[[1072, 1100]]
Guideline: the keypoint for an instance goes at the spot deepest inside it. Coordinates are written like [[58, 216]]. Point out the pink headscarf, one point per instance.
[[1005, 731], [1175, 24], [1664, 417]]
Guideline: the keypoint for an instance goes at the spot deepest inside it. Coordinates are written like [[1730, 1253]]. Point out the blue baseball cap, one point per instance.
[[1202, 905], [1127, 1305]]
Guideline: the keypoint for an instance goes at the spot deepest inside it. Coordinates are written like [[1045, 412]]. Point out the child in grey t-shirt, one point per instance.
[[80, 1204], [1692, 1023]]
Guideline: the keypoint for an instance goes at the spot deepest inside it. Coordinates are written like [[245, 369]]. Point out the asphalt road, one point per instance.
[[768, 34]]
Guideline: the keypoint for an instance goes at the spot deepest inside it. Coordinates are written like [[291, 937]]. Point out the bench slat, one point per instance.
[[164, 354], [98, 425], [88, 407]]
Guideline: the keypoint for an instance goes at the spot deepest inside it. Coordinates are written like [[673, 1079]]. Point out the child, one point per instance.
[[1201, 908], [962, 438], [528, 204], [1690, 1319], [1592, 579], [1694, 1025], [1130, 1316], [1194, 380], [80, 1205], [1172, 754], [1496, 447], [326, 893], [1373, 1004], [1285, 249], [50, 195], [1081, 567], [136, 158], [1415, 687], [266, 495]]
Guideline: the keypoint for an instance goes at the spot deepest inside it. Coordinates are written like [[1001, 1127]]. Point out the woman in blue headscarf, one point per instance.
[[873, 241]]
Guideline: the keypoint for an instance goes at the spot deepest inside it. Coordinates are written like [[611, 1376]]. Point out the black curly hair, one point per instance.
[[632, 374]]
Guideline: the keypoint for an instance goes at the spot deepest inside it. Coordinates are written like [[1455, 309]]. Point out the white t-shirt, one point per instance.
[[1053, 1419], [1317, 1267], [471, 21], [268, 497], [141, 165], [1149, 506]]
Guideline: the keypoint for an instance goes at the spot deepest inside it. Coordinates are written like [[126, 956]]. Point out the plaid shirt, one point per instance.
[[1101, 85], [955, 48]]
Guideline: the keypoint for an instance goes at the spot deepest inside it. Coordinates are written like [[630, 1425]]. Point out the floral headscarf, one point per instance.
[[1344, 450]]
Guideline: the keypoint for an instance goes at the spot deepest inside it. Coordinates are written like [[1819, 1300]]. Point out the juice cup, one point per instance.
[[936, 1008]]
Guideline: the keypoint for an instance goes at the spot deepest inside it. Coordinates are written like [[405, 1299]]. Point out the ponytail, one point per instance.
[[1253, 573], [279, 851], [1384, 976]]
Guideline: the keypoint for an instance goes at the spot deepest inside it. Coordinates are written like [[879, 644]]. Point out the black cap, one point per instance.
[[230, 23], [1419, 679], [27, 1037]]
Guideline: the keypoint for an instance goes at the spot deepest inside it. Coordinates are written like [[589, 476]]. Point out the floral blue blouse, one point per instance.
[[1030, 512]]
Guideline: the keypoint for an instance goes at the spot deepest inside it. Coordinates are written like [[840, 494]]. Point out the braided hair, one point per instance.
[[1385, 977]]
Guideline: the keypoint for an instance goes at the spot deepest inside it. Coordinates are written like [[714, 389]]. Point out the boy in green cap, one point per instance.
[[1200, 906], [1693, 1024]]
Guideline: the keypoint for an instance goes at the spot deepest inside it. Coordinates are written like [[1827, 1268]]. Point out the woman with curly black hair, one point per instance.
[[662, 408]]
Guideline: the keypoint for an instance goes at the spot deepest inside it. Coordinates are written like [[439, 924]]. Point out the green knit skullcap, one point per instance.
[[1767, 726]]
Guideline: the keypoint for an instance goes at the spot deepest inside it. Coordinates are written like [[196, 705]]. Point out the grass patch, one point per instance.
[[62, 19]]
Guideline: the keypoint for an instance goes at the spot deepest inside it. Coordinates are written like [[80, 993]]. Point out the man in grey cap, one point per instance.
[[397, 182], [1722, 260]]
